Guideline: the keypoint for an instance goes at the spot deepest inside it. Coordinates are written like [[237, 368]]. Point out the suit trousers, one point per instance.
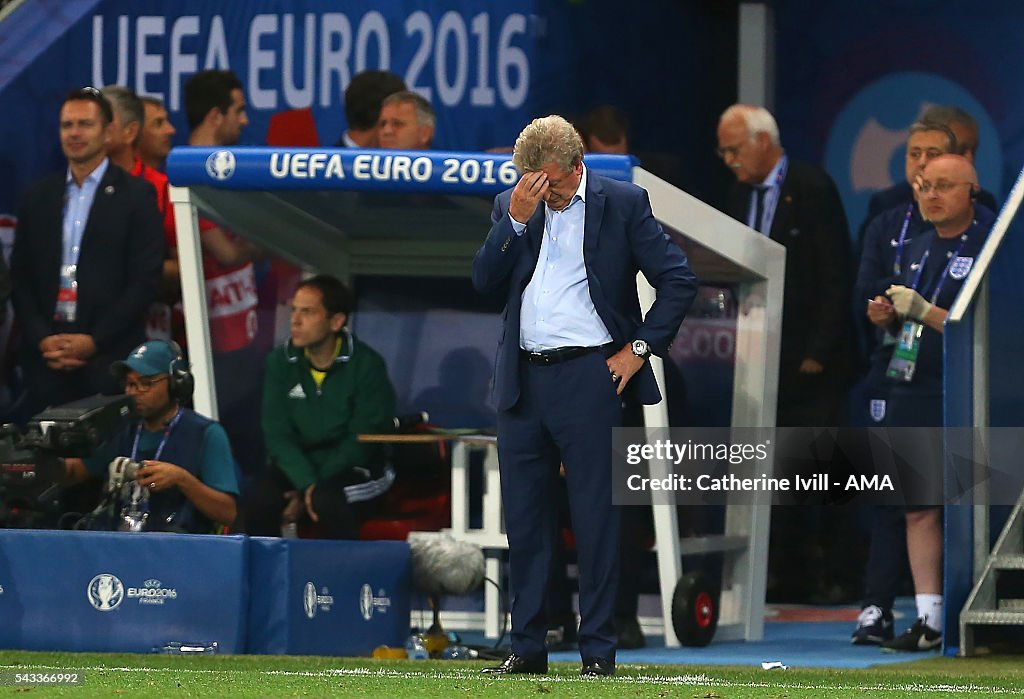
[[564, 416]]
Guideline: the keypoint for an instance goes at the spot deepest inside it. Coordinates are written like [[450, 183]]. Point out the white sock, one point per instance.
[[929, 608]]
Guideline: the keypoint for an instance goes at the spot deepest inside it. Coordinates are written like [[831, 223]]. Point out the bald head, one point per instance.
[[946, 193]]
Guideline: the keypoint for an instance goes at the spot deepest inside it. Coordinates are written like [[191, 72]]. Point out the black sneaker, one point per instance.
[[918, 637], [874, 627]]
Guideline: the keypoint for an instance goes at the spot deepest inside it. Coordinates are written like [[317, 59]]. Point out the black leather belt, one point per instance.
[[561, 354]]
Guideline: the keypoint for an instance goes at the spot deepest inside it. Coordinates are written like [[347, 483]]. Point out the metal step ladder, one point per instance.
[[984, 606]]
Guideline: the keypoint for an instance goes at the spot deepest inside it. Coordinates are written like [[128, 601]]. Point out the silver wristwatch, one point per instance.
[[641, 349]]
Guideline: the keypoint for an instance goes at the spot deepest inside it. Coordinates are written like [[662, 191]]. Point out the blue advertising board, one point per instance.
[[395, 171], [121, 592], [328, 597]]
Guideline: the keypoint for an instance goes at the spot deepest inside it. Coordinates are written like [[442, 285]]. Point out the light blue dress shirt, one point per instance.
[[557, 309], [77, 206], [773, 184]]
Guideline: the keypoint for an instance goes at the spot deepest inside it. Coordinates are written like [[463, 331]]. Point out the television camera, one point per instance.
[[31, 466]]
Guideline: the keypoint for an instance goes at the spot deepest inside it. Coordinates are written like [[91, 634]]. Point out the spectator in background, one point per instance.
[[215, 106], [797, 205], [123, 151], [157, 131], [86, 264], [186, 459], [363, 98], [322, 390], [605, 130], [406, 122]]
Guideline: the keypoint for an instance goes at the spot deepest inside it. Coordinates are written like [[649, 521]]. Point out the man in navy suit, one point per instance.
[[564, 248], [87, 260]]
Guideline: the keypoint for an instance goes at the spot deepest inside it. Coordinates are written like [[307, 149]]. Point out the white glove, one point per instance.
[[907, 302]]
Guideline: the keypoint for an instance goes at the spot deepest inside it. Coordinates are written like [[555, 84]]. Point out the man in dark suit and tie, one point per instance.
[[87, 259], [798, 206], [564, 249]]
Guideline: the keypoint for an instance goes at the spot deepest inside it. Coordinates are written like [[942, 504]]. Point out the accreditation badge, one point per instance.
[[904, 355]]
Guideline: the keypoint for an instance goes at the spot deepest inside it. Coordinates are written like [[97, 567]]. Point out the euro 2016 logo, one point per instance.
[[221, 165], [105, 592], [309, 600]]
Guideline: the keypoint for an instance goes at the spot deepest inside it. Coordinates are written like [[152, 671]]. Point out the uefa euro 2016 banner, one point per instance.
[[250, 168], [471, 59]]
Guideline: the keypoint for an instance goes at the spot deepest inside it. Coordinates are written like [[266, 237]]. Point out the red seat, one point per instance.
[[420, 499]]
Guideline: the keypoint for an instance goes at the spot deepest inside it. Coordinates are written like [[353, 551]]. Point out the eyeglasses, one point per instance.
[[942, 187], [143, 385], [723, 151]]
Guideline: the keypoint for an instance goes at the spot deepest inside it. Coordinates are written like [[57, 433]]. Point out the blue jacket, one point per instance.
[[620, 238]]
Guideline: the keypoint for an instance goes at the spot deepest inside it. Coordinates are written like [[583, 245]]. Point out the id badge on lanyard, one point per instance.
[[66, 310], [904, 356]]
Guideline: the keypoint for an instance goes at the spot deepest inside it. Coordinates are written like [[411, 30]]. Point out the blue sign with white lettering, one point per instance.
[[120, 592], [360, 170]]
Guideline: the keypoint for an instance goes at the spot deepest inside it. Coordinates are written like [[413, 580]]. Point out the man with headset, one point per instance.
[[185, 463], [321, 390]]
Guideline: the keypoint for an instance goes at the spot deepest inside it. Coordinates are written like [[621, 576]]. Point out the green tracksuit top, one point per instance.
[[311, 434]]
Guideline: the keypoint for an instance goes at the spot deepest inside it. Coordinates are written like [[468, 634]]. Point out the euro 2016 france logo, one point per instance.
[[221, 165], [105, 592], [309, 601]]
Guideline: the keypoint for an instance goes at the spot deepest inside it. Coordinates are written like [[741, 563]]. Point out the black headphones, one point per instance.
[[180, 382]]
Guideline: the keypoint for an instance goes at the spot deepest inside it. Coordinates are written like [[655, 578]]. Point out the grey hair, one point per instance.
[[424, 111], [128, 107], [949, 114], [756, 119], [545, 140], [952, 145]]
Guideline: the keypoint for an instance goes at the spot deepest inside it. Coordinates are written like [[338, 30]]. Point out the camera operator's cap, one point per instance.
[[149, 358]]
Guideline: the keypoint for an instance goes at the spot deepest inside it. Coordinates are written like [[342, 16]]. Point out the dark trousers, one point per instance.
[[887, 567], [565, 415], [265, 504], [887, 555]]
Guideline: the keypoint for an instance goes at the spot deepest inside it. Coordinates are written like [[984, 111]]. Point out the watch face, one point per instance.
[[640, 348]]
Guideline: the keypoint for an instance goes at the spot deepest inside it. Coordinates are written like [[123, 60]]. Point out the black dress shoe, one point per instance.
[[598, 667], [518, 665]]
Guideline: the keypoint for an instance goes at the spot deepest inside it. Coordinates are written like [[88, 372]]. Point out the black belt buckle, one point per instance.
[[555, 356]]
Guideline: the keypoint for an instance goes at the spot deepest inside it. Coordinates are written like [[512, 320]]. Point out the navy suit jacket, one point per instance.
[[620, 238], [119, 267]]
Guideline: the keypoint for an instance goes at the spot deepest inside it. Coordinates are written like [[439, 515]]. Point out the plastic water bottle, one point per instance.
[[415, 648], [456, 650], [459, 652]]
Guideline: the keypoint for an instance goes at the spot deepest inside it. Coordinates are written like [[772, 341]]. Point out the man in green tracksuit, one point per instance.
[[321, 390]]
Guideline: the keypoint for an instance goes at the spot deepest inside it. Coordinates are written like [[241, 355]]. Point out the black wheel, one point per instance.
[[695, 610]]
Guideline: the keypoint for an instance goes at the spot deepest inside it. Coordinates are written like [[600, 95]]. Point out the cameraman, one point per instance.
[[186, 462]]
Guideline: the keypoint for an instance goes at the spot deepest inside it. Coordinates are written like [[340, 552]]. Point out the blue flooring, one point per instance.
[[795, 644]]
